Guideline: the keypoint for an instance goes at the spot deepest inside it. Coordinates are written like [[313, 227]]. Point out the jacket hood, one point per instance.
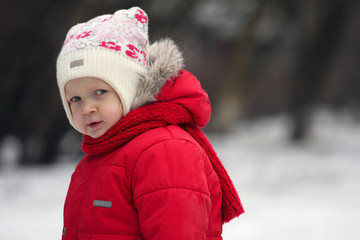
[[166, 81]]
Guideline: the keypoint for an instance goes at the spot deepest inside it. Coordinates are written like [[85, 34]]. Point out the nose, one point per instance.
[[88, 107]]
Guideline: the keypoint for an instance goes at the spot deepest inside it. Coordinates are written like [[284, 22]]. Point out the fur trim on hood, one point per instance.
[[165, 63]]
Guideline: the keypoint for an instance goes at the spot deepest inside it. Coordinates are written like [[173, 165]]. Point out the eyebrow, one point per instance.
[[68, 94]]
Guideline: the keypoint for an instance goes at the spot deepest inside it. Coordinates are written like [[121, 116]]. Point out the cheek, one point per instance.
[[115, 112], [76, 116], [77, 119]]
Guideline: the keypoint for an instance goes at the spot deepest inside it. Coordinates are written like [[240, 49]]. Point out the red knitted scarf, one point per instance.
[[158, 115]]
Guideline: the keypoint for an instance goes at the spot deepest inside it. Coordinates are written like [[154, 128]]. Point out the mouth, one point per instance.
[[94, 124]]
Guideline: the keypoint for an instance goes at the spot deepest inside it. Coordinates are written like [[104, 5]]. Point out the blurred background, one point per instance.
[[283, 80]]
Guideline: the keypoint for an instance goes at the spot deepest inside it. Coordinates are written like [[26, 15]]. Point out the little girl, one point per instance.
[[148, 171]]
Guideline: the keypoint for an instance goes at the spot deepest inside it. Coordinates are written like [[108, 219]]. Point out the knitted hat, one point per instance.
[[110, 47]]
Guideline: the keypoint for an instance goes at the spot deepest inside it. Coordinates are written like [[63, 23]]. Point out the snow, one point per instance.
[[307, 191]]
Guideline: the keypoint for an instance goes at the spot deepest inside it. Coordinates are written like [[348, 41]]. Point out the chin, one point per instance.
[[96, 135]]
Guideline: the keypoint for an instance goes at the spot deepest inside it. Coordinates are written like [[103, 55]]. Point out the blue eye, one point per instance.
[[100, 92], [75, 99]]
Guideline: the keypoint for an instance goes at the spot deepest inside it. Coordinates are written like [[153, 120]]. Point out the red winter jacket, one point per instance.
[[160, 185]]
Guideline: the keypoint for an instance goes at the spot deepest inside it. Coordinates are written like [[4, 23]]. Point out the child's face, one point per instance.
[[94, 104]]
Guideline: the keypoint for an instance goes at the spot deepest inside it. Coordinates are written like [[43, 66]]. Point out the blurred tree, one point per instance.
[[321, 29], [229, 102], [295, 66]]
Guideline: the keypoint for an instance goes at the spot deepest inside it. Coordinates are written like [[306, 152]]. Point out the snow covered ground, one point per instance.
[[308, 191]]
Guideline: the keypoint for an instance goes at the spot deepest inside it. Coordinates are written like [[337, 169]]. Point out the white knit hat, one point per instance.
[[110, 47]]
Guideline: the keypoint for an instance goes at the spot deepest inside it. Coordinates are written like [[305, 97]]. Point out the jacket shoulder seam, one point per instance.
[[172, 188]]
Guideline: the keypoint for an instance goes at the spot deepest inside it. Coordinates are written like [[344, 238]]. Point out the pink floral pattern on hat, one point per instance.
[[125, 32]]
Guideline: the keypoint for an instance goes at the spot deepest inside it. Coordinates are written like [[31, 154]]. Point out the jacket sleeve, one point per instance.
[[171, 191]]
